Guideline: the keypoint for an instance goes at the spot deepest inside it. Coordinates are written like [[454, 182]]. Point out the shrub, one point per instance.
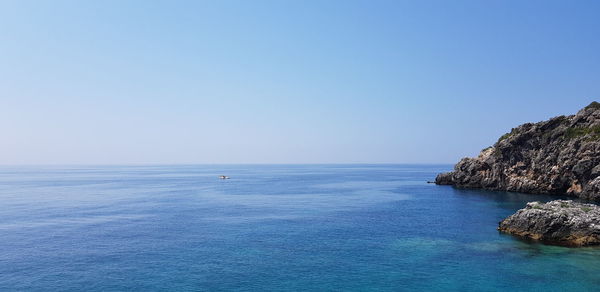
[[594, 105], [507, 135], [594, 132]]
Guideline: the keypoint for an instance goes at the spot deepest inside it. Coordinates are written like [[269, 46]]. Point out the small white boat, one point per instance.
[[223, 177]]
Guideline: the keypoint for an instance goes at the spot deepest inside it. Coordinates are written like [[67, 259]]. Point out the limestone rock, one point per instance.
[[560, 222], [557, 156]]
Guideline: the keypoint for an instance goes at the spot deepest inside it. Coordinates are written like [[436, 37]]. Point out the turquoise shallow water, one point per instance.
[[269, 228]]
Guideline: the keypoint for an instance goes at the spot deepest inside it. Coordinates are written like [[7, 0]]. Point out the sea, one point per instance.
[[269, 228]]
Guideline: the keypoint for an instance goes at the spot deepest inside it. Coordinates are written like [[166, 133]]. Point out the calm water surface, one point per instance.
[[268, 228]]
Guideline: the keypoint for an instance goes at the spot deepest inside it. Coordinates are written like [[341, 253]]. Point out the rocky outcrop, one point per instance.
[[557, 156], [557, 222]]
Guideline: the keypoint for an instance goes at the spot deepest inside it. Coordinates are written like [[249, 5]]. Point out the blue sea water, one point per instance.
[[268, 228]]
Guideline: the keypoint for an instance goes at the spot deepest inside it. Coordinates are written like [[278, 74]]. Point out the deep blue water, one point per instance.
[[268, 228]]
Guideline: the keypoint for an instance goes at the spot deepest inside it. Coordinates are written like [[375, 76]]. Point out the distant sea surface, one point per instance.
[[269, 228]]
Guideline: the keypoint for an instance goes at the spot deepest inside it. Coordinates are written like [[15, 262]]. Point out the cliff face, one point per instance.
[[558, 156], [558, 222]]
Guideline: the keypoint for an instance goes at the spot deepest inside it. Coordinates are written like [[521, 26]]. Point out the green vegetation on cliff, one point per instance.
[[593, 131]]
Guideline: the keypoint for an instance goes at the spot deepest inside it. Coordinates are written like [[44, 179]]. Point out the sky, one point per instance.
[[288, 81]]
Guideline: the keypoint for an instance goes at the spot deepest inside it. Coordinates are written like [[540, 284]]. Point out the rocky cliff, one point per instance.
[[557, 156], [558, 222]]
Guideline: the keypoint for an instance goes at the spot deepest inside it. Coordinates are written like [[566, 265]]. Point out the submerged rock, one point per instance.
[[557, 156], [560, 222]]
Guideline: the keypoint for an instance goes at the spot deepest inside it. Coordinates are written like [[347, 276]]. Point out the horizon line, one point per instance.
[[198, 164]]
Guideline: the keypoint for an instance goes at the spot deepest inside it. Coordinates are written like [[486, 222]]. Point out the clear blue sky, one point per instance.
[[120, 82]]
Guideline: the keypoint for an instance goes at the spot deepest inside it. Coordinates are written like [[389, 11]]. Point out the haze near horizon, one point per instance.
[[139, 82]]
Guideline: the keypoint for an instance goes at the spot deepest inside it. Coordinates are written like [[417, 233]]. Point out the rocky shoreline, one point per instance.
[[557, 156], [560, 222]]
